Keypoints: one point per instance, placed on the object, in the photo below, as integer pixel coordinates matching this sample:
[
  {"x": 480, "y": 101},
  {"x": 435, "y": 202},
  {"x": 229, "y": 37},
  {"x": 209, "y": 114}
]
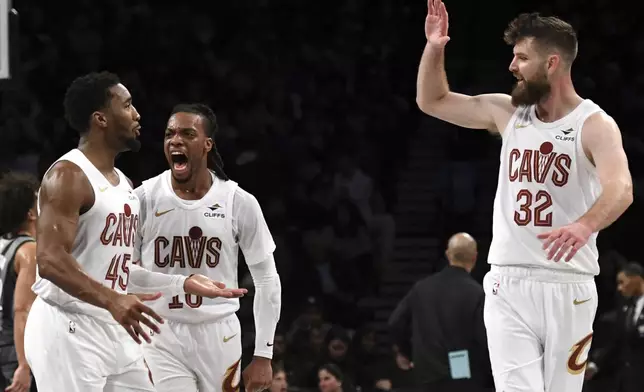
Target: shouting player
[
  {"x": 563, "y": 177},
  {"x": 18, "y": 215},
  {"x": 194, "y": 220},
  {"x": 86, "y": 229}
]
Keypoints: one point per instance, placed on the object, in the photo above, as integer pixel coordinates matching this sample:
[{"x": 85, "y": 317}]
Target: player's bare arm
[
  {"x": 602, "y": 144},
  {"x": 65, "y": 192},
  {"x": 487, "y": 111},
  {"x": 25, "y": 266}
]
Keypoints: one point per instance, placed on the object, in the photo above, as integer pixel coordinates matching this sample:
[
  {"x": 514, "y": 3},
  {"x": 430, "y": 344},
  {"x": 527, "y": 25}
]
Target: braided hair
[{"x": 215, "y": 163}]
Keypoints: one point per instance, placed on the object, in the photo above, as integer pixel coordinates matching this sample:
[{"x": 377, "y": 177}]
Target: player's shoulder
[
  {"x": 66, "y": 175},
  {"x": 152, "y": 184},
  {"x": 244, "y": 201}
]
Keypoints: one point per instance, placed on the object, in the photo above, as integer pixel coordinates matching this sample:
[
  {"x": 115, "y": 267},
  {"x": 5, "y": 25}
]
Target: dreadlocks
[{"x": 215, "y": 163}]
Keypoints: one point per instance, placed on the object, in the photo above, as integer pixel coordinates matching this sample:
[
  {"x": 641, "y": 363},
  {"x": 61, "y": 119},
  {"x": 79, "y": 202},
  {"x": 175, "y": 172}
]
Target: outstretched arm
[
  {"x": 602, "y": 143},
  {"x": 488, "y": 111},
  {"x": 143, "y": 281}
]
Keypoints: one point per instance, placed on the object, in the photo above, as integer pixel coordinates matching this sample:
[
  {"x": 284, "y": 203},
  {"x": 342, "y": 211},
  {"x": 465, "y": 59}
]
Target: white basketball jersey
[
  {"x": 184, "y": 237},
  {"x": 104, "y": 241},
  {"x": 545, "y": 181}
]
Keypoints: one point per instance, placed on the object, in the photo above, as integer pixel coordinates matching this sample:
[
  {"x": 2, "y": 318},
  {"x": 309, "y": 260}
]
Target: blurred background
[{"x": 317, "y": 114}]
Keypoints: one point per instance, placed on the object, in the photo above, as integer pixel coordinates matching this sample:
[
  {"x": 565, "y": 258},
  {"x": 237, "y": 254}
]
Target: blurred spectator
[
  {"x": 623, "y": 359},
  {"x": 280, "y": 382},
  {"x": 331, "y": 379}
]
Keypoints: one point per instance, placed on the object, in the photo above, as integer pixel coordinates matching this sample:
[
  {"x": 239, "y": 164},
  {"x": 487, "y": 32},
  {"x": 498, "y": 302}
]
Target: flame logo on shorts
[{"x": 230, "y": 377}]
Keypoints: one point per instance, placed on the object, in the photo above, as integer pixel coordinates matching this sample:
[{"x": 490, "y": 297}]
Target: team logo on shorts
[
  {"x": 495, "y": 288},
  {"x": 575, "y": 366},
  {"x": 72, "y": 327}
]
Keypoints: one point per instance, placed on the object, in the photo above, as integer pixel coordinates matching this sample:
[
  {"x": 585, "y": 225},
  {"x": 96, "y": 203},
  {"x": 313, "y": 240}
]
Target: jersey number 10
[
  {"x": 193, "y": 301},
  {"x": 532, "y": 208}
]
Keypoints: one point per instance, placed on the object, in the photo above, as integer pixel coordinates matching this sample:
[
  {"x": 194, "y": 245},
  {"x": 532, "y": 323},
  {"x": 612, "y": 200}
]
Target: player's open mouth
[{"x": 179, "y": 162}]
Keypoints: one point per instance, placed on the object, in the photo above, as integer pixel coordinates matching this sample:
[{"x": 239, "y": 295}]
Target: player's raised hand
[
  {"x": 565, "y": 240},
  {"x": 129, "y": 311},
  {"x": 258, "y": 375},
  {"x": 436, "y": 24},
  {"x": 205, "y": 287}
]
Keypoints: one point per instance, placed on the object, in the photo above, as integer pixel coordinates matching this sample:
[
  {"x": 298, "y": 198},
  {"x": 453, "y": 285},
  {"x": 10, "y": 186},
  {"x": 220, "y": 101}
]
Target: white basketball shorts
[
  {"x": 196, "y": 357},
  {"x": 540, "y": 327},
  {"x": 74, "y": 352}
]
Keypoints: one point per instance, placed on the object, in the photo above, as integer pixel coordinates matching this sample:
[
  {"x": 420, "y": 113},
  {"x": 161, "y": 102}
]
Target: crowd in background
[{"x": 315, "y": 104}]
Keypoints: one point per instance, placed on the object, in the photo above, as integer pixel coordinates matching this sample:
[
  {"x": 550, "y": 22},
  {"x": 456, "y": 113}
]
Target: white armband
[
  {"x": 143, "y": 281},
  {"x": 266, "y": 305}
]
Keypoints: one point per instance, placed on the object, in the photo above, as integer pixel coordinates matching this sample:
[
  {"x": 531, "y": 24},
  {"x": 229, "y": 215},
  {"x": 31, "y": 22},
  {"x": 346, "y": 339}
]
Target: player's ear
[
  {"x": 209, "y": 144},
  {"x": 100, "y": 119},
  {"x": 553, "y": 63}
]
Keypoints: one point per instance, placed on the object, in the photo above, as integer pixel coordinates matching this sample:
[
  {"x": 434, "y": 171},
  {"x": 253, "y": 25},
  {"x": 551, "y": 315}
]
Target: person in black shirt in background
[
  {"x": 18, "y": 215},
  {"x": 443, "y": 314},
  {"x": 621, "y": 362}
]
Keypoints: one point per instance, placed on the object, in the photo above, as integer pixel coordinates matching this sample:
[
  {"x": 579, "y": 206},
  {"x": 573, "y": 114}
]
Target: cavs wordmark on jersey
[
  {"x": 104, "y": 242},
  {"x": 545, "y": 181},
  {"x": 199, "y": 237}
]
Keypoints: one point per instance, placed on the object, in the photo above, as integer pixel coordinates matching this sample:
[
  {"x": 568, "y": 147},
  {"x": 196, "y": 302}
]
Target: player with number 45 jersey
[{"x": 194, "y": 220}]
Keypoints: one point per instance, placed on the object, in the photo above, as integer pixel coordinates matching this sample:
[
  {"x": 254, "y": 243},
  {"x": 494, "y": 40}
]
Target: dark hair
[
  {"x": 334, "y": 370},
  {"x": 214, "y": 159},
  {"x": 87, "y": 94},
  {"x": 633, "y": 269},
  {"x": 277, "y": 366},
  {"x": 548, "y": 31},
  {"x": 17, "y": 197}
]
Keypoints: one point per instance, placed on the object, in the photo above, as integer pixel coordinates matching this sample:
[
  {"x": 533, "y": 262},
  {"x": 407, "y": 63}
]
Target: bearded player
[
  {"x": 194, "y": 220},
  {"x": 563, "y": 177}
]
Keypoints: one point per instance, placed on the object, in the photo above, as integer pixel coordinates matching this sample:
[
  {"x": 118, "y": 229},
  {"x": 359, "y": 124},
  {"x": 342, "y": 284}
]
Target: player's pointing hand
[
  {"x": 568, "y": 239},
  {"x": 203, "y": 286},
  {"x": 129, "y": 311}
]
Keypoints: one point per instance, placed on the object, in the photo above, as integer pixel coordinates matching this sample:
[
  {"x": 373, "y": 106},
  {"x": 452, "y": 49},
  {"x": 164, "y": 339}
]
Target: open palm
[{"x": 436, "y": 23}]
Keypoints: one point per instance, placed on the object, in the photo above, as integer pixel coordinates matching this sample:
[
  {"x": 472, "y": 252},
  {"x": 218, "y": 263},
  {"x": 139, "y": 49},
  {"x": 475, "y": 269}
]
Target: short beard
[{"x": 531, "y": 92}]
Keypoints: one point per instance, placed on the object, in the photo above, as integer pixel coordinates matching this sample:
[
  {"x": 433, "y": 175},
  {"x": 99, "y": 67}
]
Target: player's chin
[{"x": 181, "y": 171}]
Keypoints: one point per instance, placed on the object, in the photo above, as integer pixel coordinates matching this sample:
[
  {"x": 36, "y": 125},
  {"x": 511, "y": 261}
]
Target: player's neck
[
  {"x": 29, "y": 231},
  {"x": 562, "y": 100},
  {"x": 97, "y": 152},
  {"x": 196, "y": 188}
]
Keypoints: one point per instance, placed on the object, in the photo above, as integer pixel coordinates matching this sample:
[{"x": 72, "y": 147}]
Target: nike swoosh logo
[
  {"x": 100, "y": 189},
  {"x": 159, "y": 213},
  {"x": 519, "y": 126},
  {"x": 577, "y": 302},
  {"x": 269, "y": 344},
  {"x": 227, "y": 339}
]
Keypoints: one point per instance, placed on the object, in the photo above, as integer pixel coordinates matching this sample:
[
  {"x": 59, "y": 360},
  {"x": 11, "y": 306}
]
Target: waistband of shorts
[
  {"x": 541, "y": 274},
  {"x": 90, "y": 311}
]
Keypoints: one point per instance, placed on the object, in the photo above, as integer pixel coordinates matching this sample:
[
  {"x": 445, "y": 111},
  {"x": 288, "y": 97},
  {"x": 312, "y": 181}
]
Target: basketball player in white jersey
[
  {"x": 86, "y": 229},
  {"x": 194, "y": 220},
  {"x": 563, "y": 177}
]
